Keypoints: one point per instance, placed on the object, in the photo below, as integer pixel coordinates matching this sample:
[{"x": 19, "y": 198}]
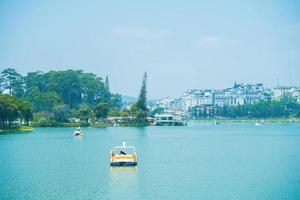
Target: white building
[
  {"x": 280, "y": 91},
  {"x": 239, "y": 94}
]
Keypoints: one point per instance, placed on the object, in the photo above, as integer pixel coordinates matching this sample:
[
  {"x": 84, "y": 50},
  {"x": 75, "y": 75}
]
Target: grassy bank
[
  {"x": 56, "y": 124},
  {"x": 95, "y": 124},
  {"x": 18, "y": 128}
]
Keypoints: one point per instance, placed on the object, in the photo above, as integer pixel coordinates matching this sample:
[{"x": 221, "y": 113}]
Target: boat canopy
[{"x": 124, "y": 148}]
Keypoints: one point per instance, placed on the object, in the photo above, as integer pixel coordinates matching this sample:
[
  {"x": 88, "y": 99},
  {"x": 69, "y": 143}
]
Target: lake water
[{"x": 201, "y": 161}]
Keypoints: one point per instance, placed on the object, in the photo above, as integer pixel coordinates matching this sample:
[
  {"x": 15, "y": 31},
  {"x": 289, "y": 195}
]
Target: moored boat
[
  {"x": 123, "y": 156},
  {"x": 169, "y": 119},
  {"x": 257, "y": 124},
  {"x": 78, "y": 132},
  {"x": 216, "y": 122}
]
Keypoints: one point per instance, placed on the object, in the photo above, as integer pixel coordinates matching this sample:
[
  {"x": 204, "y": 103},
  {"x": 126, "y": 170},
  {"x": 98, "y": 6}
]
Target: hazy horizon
[{"x": 181, "y": 46}]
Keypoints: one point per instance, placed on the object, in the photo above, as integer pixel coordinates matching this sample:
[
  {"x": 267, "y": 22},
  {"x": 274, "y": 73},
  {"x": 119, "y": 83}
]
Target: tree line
[
  {"x": 286, "y": 106},
  {"x": 58, "y": 96},
  {"x": 12, "y": 109}
]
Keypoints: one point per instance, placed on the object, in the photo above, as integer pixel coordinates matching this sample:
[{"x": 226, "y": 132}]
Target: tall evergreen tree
[
  {"x": 142, "y": 100},
  {"x": 101, "y": 110},
  {"x": 12, "y": 81},
  {"x": 106, "y": 84},
  {"x": 12, "y": 109},
  {"x": 139, "y": 109},
  {"x": 105, "y": 93},
  {"x": 1, "y": 84}
]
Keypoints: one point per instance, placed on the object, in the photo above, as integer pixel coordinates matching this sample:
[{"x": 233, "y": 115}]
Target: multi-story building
[
  {"x": 240, "y": 94},
  {"x": 278, "y": 92}
]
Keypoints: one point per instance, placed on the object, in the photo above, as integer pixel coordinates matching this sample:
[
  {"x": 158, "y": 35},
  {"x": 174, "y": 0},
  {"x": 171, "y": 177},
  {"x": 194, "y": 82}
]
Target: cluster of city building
[{"x": 239, "y": 94}]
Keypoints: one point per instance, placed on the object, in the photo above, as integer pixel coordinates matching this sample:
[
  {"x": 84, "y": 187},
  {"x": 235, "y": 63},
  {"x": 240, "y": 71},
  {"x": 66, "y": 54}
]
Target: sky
[{"x": 180, "y": 44}]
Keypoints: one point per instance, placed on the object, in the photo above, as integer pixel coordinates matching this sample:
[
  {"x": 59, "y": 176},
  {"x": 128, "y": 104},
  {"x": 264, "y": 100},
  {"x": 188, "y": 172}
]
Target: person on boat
[{"x": 122, "y": 152}]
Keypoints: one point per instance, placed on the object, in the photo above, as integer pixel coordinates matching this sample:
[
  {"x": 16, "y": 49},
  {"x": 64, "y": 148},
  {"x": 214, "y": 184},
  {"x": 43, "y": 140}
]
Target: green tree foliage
[
  {"x": 59, "y": 95},
  {"x": 74, "y": 87},
  {"x": 114, "y": 113},
  {"x": 287, "y": 106},
  {"x": 139, "y": 109},
  {"x": 25, "y": 111},
  {"x": 12, "y": 109},
  {"x": 47, "y": 100},
  {"x": 66, "y": 84},
  {"x": 142, "y": 100},
  {"x": 125, "y": 113},
  {"x": 105, "y": 93},
  {"x": 106, "y": 84},
  {"x": 92, "y": 88},
  {"x": 2, "y": 84},
  {"x": 13, "y": 82},
  {"x": 84, "y": 113},
  {"x": 101, "y": 110},
  {"x": 157, "y": 111},
  {"x": 115, "y": 101},
  {"x": 61, "y": 113}
]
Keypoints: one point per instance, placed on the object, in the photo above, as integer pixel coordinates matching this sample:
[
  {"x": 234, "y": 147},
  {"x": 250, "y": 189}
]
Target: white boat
[
  {"x": 257, "y": 124},
  {"x": 78, "y": 132},
  {"x": 123, "y": 156},
  {"x": 216, "y": 122}
]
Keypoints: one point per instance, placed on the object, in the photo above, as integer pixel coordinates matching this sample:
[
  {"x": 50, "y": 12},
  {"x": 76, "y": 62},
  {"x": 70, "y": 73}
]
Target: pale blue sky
[{"x": 181, "y": 44}]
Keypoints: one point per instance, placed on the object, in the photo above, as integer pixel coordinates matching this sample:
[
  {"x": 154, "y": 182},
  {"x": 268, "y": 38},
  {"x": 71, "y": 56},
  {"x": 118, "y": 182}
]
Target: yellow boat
[{"x": 123, "y": 156}]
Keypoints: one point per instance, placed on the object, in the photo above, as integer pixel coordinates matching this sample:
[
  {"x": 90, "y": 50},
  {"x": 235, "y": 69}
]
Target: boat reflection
[
  {"x": 123, "y": 173},
  {"x": 121, "y": 180}
]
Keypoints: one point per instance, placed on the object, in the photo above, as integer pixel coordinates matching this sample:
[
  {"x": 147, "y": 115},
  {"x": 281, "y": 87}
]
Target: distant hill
[
  {"x": 151, "y": 102},
  {"x": 128, "y": 99}
]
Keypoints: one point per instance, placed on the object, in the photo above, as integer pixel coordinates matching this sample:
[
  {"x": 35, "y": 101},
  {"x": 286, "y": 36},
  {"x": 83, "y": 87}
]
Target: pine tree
[
  {"x": 12, "y": 81},
  {"x": 139, "y": 109},
  {"x": 106, "y": 96},
  {"x": 142, "y": 100},
  {"x": 106, "y": 84}
]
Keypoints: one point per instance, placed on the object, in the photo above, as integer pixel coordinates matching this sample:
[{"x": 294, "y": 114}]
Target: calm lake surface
[{"x": 200, "y": 161}]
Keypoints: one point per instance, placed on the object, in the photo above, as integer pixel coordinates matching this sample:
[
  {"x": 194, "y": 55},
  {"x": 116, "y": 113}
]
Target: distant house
[{"x": 203, "y": 100}]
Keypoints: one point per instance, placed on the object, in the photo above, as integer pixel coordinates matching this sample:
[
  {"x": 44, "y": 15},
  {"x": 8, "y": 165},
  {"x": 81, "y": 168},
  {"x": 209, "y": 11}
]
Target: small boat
[
  {"x": 257, "y": 124},
  {"x": 123, "y": 156},
  {"x": 216, "y": 122},
  {"x": 78, "y": 132}
]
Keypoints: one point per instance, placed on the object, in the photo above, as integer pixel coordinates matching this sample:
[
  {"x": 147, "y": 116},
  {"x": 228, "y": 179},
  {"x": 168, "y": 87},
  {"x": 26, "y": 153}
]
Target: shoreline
[
  {"x": 20, "y": 128},
  {"x": 253, "y": 120}
]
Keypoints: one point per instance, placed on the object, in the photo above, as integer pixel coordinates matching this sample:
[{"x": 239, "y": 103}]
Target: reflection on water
[
  {"x": 141, "y": 130},
  {"x": 122, "y": 180},
  {"x": 127, "y": 174}
]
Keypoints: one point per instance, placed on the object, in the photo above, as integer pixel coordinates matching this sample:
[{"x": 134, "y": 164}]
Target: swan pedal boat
[
  {"x": 78, "y": 132},
  {"x": 123, "y": 156}
]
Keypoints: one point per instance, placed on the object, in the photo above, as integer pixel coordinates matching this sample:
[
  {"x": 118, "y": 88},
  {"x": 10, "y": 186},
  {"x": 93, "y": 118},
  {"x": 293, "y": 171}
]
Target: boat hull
[
  {"x": 123, "y": 163},
  {"x": 79, "y": 134}
]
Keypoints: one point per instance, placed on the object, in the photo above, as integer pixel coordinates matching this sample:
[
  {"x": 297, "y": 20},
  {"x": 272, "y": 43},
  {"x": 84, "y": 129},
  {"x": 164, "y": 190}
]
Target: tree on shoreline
[
  {"x": 287, "y": 106},
  {"x": 101, "y": 110},
  {"x": 13, "y": 109},
  {"x": 13, "y": 82},
  {"x": 58, "y": 95},
  {"x": 139, "y": 109},
  {"x": 84, "y": 113}
]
